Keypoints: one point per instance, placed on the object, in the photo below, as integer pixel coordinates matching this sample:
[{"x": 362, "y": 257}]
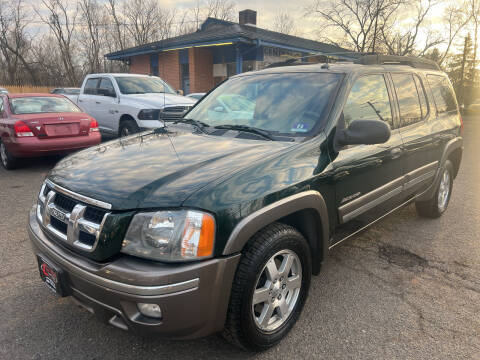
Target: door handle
[
  {"x": 97, "y": 102},
  {"x": 80, "y": 100}
]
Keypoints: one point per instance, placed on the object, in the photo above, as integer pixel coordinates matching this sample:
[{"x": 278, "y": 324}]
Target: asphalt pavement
[{"x": 407, "y": 288}]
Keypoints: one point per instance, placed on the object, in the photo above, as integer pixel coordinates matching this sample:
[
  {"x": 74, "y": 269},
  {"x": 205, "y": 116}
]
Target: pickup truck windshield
[
  {"x": 142, "y": 85},
  {"x": 38, "y": 105},
  {"x": 290, "y": 104}
]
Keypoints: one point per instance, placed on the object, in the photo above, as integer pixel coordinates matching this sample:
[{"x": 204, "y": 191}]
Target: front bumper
[{"x": 193, "y": 297}]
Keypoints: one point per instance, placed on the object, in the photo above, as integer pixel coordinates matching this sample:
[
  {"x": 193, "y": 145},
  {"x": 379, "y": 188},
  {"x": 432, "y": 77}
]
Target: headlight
[
  {"x": 171, "y": 235},
  {"x": 149, "y": 114}
]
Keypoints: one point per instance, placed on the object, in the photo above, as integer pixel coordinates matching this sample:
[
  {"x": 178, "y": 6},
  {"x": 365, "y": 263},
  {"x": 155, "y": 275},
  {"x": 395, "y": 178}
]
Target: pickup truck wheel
[
  {"x": 128, "y": 127},
  {"x": 8, "y": 161},
  {"x": 270, "y": 288},
  {"x": 437, "y": 205}
]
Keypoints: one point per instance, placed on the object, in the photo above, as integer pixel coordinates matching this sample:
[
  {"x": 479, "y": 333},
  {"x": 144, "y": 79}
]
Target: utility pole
[{"x": 462, "y": 73}]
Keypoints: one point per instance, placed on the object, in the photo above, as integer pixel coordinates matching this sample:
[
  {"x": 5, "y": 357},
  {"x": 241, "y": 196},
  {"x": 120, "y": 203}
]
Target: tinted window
[
  {"x": 106, "y": 87},
  {"x": 408, "y": 100},
  {"x": 291, "y": 103},
  {"x": 368, "y": 100},
  {"x": 142, "y": 85},
  {"x": 91, "y": 86},
  {"x": 442, "y": 93},
  {"x": 421, "y": 94},
  {"x": 38, "y": 104}
]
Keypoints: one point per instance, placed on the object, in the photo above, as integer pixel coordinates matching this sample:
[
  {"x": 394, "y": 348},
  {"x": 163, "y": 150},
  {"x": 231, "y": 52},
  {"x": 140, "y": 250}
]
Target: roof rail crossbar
[{"x": 378, "y": 59}]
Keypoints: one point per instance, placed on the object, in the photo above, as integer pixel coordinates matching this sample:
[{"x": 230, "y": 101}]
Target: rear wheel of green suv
[
  {"x": 437, "y": 205},
  {"x": 270, "y": 288}
]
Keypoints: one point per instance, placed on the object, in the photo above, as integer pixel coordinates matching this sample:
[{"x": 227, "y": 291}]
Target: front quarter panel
[{"x": 296, "y": 170}]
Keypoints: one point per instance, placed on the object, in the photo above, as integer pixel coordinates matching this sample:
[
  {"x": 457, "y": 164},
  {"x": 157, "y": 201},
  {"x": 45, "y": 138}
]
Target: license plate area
[
  {"x": 52, "y": 276},
  {"x": 62, "y": 129}
]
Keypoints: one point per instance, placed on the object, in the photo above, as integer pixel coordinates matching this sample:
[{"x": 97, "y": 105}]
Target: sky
[{"x": 306, "y": 24}]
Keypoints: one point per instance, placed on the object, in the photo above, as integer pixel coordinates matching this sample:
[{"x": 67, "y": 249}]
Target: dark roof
[{"x": 214, "y": 30}]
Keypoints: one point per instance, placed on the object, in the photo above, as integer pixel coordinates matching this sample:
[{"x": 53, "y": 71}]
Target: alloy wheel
[
  {"x": 277, "y": 290},
  {"x": 444, "y": 191}
]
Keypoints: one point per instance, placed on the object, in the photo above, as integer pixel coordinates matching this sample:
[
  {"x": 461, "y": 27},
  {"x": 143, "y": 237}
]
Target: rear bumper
[
  {"x": 33, "y": 147},
  {"x": 193, "y": 297}
]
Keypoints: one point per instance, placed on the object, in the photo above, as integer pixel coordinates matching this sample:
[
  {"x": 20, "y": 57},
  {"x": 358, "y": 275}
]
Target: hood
[
  {"x": 159, "y": 100},
  {"x": 151, "y": 170}
]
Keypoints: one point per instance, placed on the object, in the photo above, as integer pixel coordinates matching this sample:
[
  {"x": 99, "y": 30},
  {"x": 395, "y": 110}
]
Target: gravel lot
[{"x": 407, "y": 288}]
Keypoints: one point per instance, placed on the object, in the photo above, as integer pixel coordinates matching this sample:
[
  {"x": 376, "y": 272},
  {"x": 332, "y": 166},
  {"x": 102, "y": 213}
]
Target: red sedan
[{"x": 34, "y": 125}]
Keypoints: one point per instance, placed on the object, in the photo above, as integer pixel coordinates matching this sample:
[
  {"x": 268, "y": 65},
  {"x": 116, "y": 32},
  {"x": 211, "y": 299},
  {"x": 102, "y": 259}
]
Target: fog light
[{"x": 151, "y": 310}]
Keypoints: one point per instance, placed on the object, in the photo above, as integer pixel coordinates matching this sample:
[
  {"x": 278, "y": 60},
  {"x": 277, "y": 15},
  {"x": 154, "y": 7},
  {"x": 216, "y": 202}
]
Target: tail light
[
  {"x": 461, "y": 124},
  {"x": 94, "y": 126},
  {"x": 22, "y": 129}
]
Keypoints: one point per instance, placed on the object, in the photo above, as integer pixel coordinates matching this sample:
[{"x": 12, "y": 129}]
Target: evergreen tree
[{"x": 460, "y": 70}]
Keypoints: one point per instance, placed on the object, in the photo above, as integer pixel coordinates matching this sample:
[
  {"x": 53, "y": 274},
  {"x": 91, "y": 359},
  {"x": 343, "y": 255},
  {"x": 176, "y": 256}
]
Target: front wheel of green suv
[{"x": 270, "y": 288}]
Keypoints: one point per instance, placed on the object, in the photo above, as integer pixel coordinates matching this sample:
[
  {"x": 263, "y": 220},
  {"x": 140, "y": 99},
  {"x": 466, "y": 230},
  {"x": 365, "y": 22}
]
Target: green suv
[{"x": 217, "y": 221}]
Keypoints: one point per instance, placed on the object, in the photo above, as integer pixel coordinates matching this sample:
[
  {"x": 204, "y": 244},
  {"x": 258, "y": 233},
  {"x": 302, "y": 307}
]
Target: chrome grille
[
  {"x": 173, "y": 113},
  {"x": 176, "y": 108},
  {"x": 69, "y": 217}
]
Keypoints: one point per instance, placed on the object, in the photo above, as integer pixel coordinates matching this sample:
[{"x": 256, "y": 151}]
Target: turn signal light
[
  {"x": 94, "y": 126},
  {"x": 22, "y": 129}
]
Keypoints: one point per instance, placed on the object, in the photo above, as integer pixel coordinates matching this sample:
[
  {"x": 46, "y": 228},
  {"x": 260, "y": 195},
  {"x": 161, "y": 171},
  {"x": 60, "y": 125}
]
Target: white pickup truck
[{"x": 123, "y": 104}]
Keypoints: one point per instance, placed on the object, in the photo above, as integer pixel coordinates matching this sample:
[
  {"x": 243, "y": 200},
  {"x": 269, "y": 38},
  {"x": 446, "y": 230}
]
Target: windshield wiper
[
  {"x": 197, "y": 123},
  {"x": 245, "y": 128}
]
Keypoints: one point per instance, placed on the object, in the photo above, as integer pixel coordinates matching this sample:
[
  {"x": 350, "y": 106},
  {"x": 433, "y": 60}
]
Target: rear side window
[
  {"x": 106, "y": 87},
  {"x": 442, "y": 93},
  {"x": 368, "y": 100},
  {"x": 422, "y": 96},
  {"x": 408, "y": 99},
  {"x": 91, "y": 87}
]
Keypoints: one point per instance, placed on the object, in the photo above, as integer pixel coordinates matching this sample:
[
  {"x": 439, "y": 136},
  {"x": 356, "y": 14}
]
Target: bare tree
[
  {"x": 14, "y": 42},
  {"x": 118, "y": 33},
  {"x": 398, "y": 41},
  {"x": 455, "y": 19},
  {"x": 359, "y": 20},
  {"x": 220, "y": 9},
  {"x": 92, "y": 14},
  {"x": 147, "y": 21},
  {"x": 284, "y": 23},
  {"x": 62, "y": 21}
]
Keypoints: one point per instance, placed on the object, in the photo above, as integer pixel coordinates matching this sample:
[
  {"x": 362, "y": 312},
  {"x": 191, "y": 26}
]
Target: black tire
[
  {"x": 241, "y": 328},
  {"x": 127, "y": 127},
  {"x": 8, "y": 161},
  {"x": 434, "y": 207}
]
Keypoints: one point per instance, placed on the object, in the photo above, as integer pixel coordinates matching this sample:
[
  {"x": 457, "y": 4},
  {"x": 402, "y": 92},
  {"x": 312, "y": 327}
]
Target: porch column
[{"x": 239, "y": 60}]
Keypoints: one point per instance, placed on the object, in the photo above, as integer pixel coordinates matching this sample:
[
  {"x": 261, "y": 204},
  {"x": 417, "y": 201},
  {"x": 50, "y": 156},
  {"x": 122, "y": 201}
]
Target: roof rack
[
  {"x": 378, "y": 59},
  {"x": 363, "y": 59}
]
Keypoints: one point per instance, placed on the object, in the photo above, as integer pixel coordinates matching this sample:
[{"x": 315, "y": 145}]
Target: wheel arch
[
  {"x": 452, "y": 151},
  {"x": 306, "y": 211},
  {"x": 124, "y": 118}
]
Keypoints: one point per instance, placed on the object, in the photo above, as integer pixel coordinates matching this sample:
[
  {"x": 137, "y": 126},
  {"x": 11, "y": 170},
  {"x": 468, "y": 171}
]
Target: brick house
[{"x": 198, "y": 61}]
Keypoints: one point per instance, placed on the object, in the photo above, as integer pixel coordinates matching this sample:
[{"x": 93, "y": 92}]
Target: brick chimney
[{"x": 247, "y": 17}]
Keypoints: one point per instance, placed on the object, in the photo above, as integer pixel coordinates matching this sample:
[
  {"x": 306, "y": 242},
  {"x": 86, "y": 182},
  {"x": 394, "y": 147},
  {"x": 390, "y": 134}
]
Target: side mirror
[
  {"x": 179, "y": 92},
  {"x": 367, "y": 132}
]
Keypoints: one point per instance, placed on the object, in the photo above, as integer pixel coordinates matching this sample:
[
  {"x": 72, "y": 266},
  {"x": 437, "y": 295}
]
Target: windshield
[
  {"x": 142, "y": 85},
  {"x": 290, "y": 104},
  {"x": 36, "y": 105}
]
